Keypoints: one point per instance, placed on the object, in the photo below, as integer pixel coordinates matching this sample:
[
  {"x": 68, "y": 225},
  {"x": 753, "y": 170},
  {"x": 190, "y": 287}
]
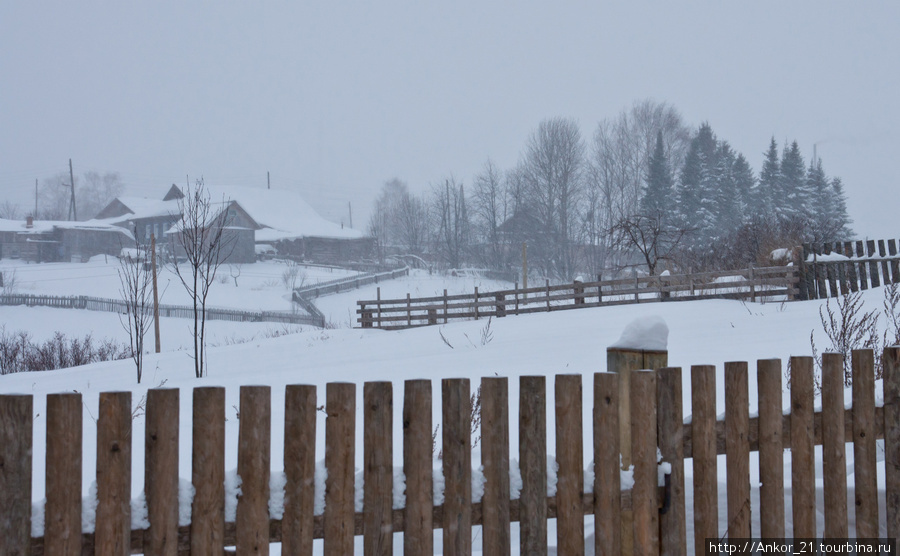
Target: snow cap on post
[{"x": 648, "y": 333}]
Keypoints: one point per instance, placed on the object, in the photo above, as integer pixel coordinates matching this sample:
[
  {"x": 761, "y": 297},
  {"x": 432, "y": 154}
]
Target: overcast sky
[{"x": 335, "y": 98}]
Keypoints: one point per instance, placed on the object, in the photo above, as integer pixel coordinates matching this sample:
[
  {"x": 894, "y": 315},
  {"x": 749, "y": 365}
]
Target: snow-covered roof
[
  {"x": 45, "y": 226},
  {"x": 283, "y": 214},
  {"x": 142, "y": 207}
]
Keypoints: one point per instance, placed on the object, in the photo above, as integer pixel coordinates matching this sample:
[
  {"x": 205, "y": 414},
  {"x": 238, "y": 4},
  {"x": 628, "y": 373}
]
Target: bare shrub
[
  {"x": 19, "y": 353},
  {"x": 847, "y": 327}
]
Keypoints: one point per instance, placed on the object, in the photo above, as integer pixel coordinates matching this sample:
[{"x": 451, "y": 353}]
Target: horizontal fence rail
[
  {"x": 176, "y": 311},
  {"x": 350, "y": 283},
  {"x": 647, "y": 517},
  {"x": 837, "y": 268},
  {"x": 753, "y": 284}
]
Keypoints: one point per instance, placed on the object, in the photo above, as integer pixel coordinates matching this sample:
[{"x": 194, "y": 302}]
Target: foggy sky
[{"x": 337, "y": 98}]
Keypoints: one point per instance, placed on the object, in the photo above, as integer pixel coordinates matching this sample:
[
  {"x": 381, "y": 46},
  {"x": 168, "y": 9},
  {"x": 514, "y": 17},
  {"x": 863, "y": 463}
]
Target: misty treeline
[
  {"x": 93, "y": 191},
  {"x": 645, "y": 191}
]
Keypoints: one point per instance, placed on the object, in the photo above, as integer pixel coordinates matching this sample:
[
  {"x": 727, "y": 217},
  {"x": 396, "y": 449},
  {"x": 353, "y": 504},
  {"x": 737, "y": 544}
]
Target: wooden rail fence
[
  {"x": 349, "y": 283},
  {"x": 833, "y": 269},
  {"x": 750, "y": 284},
  {"x": 657, "y": 514},
  {"x": 177, "y": 311}
]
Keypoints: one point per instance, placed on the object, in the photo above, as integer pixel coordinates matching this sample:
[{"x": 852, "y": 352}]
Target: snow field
[{"x": 703, "y": 332}]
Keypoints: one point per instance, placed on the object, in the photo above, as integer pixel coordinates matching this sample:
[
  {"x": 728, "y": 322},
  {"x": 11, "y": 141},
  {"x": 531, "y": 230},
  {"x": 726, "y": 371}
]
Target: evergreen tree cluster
[{"x": 719, "y": 201}]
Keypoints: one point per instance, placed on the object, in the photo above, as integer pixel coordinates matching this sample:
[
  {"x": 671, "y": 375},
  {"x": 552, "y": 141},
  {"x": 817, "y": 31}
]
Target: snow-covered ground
[{"x": 700, "y": 332}]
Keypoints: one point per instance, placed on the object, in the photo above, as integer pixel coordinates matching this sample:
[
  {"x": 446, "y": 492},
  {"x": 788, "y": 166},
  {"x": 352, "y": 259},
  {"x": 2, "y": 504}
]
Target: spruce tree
[
  {"x": 767, "y": 194},
  {"x": 821, "y": 204},
  {"x": 657, "y": 199},
  {"x": 793, "y": 186},
  {"x": 744, "y": 186},
  {"x": 842, "y": 219}
]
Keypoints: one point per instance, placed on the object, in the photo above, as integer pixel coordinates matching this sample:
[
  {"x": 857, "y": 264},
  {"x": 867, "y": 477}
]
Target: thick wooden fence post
[
  {"x": 607, "y": 493},
  {"x": 62, "y": 513},
  {"x": 771, "y": 449},
  {"x": 495, "y": 460},
  {"x": 803, "y": 468},
  {"x": 161, "y": 471},
  {"x": 299, "y": 469},
  {"x": 340, "y": 449},
  {"x": 569, "y": 458},
  {"x": 891, "y": 360},
  {"x": 644, "y": 495},
  {"x": 456, "y": 408},
  {"x": 378, "y": 470},
  {"x": 834, "y": 462},
  {"x": 703, "y": 448},
  {"x": 864, "y": 465},
  {"x": 737, "y": 449},
  {"x": 885, "y": 269},
  {"x": 113, "y": 530},
  {"x": 533, "y": 465},
  {"x": 208, "y": 471},
  {"x": 254, "y": 467},
  {"x": 670, "y": 432},
  {"x": 418, "y": 538},
  {"x": 476, "y": 303},
  {"x": 16, "y": 430}
]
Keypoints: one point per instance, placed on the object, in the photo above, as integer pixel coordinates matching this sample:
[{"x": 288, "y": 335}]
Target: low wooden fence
[
  {"x": 347, "y": 284},
  {"x": 656, "y": 515},
  {"x": 752, "y": 284},
  {"x": 177, "y": 311},
  {"x": 833, "y": 269}
]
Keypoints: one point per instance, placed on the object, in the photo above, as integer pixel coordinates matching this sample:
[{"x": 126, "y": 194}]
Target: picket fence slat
[
  {"x": 207, "y": 529},
  {"x": 802, "y": 438},
  {"x": 771, "y": 449},
  {"x": 495, "y": 461},
  {"x": 834, "y": 463},
  {"x": 340, "y": 442},
  {"x": 533, "y": 464},
  {"x": 113, "y": 530},
  {"x": 643, "y": 445},
  {"x": 378, "y": 468},
  {"x": 456, "y": 446},
  {"x": 299, "y": 469},
  {"x": 607, "y": 494},
  {"x": 569, "y": 458},
  {"x": 892, "y": 438},
  {"x": 864, "y": 464},
  {"x": 63, "y": 475},
  {"x": 703, "y": 430},
  {"x": 418, "y": 539},
  {"x": 737, "y": 452},
  {"x": 254, "y": 455},
  {"x": 16, "y": 431},
  {"x": 161, "y": 471},
  {"x": 673, "y": 534}
]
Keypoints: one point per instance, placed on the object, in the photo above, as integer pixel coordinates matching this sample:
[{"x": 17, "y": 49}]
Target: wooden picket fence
[
  {"x": 89, "y": 303},
  {"x": 657, "y": 515},
  {"x": 751, "y": 284},
  {"x": 836, "y": 268}
]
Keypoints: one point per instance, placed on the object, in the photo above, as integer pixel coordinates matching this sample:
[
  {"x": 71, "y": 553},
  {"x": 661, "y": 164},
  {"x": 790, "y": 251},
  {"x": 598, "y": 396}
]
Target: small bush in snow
[{"x": 19, "y": 353}]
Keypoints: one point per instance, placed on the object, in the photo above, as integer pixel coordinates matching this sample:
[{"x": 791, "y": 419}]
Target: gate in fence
[{"x": 654, "y": 516}]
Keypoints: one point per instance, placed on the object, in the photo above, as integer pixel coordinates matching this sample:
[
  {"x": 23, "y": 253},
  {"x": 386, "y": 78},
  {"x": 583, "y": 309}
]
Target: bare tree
[
  {"x": 553, "y": 170},
  {"x": 201, "y": 246},
  {"x": 55, "y": 197},
  {"x": 96, "y": 191},
  {"x": 489, "y": 209},
  {"x": 10, "y": 210},
  {"x": 136, "y": 290},
  {"x": 650, "y": 236},
  {"x": 452, "y": 220},
  {"x": 620, "y": 156},
  {"x": 383, "y": 222}
]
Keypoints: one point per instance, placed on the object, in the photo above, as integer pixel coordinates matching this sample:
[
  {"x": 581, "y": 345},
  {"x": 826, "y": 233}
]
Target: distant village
[{"x": 261, "y": 223}]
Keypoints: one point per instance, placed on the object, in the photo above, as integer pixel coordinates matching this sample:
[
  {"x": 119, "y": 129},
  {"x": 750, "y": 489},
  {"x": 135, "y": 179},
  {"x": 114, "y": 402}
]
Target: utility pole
[
  {"x": 155, "y": 291},
  {"x": 524, "y": 266},
  {"x": 350, "y": 209},
  {"x": 268, "y": 180},
  {"x": 35, "y": 198},
  {"x": 73, "y": 212}
]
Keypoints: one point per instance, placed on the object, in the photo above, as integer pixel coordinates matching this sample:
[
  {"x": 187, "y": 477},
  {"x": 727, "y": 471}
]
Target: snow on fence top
[{"x": 648, "y": 333}]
